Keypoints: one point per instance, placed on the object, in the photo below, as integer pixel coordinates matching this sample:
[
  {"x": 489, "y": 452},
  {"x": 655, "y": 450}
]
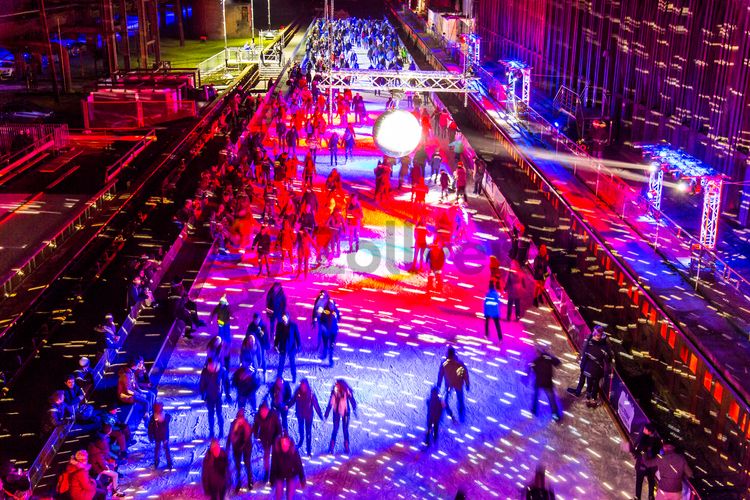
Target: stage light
[
  {"x": 653, "y": 167},
  {"x": 397, "y": 133},
  {"x": 683, "y": 186}
]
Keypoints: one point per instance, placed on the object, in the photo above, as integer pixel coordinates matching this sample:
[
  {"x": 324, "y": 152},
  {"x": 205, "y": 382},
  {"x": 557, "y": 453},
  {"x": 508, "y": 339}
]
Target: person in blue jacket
[{"x": 492, "y": 311}]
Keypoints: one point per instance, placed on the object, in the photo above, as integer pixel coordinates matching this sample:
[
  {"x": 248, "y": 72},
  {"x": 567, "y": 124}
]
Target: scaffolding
[
  {"x": 414, "y": 81},
  {"x": 514, "y": 71}
]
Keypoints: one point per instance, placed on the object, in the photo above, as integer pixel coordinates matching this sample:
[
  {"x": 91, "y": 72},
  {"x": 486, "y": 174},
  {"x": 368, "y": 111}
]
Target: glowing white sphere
[{"x": 397, "y": 133}]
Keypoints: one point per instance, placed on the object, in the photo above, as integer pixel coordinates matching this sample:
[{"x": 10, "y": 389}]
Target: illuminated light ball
[{"x": 397, "y": 133}]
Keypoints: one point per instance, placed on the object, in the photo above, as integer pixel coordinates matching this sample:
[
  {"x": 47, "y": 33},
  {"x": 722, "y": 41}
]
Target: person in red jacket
[
  {"x": 76, "y": 481},
  {"x": 266, "y": 428},
  {"x": 240, "y": 442}
]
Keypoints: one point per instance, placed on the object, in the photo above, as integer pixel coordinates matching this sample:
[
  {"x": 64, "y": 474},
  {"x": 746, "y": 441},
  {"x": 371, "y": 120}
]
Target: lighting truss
[
  {"x": 655, "y": 187},
  {"x": 415, "y": 81},
  {"x": 711, "y": 210}
]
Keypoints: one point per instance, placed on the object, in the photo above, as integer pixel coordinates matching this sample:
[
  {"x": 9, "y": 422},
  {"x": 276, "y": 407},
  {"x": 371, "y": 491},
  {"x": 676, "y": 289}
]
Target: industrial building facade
[{"x": 675, "y": 70}]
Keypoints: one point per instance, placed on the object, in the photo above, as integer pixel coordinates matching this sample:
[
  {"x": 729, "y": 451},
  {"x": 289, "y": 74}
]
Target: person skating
[
  {"x": 673, "y": 470},
  {"x": 305, "y": 402},
  {"x": 538, "y": 489},
  {"x": 342, "y": 403},
  {"x": 215, "y": 472},
  {"x": 326, "y": 314},
  {"x": 456, "y": 376},
  {"x": 262, "y": 244},
  {"x": 492, "y": 312},
  {"x": 255, "y": 344},
  {"x": 212, "y": 378},
  {"x": 598, "y": 355},
  {"x": 515, "y": 286},
  {"x": 435, "y": 258},
  {"x": 275, "y": 307},
  {"x": 435, "y": 163},
  {"x": 420, "y": 245},
  {"x": 222, "y": 314},
  {"x": 435, "y": 410},
  {"x": 247, "y": 382},
  {"x": 540, "y": 271},
  {"x": 286, "y": 468},
  {"x": 480, "y": 166},
  {"x": 543, "y": 366},
  {"x": 646, "y": 452},
  {"x": 460, "y": 176},
  {"x": 266, "y": 428},
  {"x": 333, "y": 148},
  {"x": 582, "y": 364},
  {"x": 279, "y": 397},
  {"x": 287, "y": 343},
  {"x": 354, "y": 216},
  {"x": 240, "y": 444},
  {"x": 158, "y": 433}
]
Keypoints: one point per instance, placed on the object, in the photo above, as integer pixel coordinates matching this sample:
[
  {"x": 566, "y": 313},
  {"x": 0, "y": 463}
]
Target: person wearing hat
[
  {"x": 286, "y": 467},
  {"x": 76, "y": 482},
  {"x": 84, "y": 376},
  {"x": 287, "y": 343}
]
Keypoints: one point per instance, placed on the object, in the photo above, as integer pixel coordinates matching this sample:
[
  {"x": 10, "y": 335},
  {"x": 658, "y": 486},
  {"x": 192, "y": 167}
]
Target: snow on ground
[{"x": 391, "y": 340}]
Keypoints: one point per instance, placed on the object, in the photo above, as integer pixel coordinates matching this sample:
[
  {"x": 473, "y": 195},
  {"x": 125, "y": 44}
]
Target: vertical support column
[
  {"x": 180, "y": 26},
  {"x": 142, "y": 33},
  {"x": 108, "y": 25},
  {"x": 711, "y": 210},
  {"x": 526, "y": 85},
  {"x": 154, "y": 31},
  {"x": 124, "y": 35},
  {"x": 655, "y": 186}
]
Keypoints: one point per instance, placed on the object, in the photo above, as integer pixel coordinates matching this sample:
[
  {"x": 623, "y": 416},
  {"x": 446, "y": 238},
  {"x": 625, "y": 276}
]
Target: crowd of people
[{"x": 257, "y": 172}]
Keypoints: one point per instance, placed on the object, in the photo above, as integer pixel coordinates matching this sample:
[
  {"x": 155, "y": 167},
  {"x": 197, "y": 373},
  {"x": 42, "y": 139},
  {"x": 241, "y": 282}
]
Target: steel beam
[{"x": 416, "y": 81}]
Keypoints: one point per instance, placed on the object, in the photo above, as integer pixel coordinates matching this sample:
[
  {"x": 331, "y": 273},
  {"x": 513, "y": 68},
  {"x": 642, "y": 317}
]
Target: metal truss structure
[
  {"x": 414, "y": 81},
  {"x": 711, "y": 210},
  {"x": 655, "y": 187}
]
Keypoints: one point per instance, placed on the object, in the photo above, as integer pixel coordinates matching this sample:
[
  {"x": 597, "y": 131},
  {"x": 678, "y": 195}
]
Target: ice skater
[
  {"x": 240, "y": 444},
  {"x": 543, "y": 367},
  {"x": 435, "y": 410},
  {"x": 342, "y": 403},
  {"x": 456, "y": 376}
]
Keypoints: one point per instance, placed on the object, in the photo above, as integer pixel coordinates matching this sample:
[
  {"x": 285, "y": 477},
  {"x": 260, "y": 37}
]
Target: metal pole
[
  {"x": 252, "y": 20},
  {"x": 124, "y": 35},
  {"x": 269, "y": 14},
  {"x": 45, "y": 26},
  {"x": 180, "y": 27},
  {"x": 224, "y": 27}
]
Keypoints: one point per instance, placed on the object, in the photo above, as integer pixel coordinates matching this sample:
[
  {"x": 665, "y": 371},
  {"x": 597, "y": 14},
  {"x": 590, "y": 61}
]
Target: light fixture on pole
[
  {"x": 269, "y": 14},
  {"x": 252, "y": 19}
]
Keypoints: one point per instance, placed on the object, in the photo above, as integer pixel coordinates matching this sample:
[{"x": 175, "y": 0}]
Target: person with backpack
[
  {"x": 158, "y": 433},
  {"x": 342, "y": 403},
  {"x": 646, "y": 452},
  {"x": 435, "y": 409},
  {"x": 266, "y": 428},
  {"x": 538, "y": 490},
  {"x": 76, "y": 483},
  {"x": 215, "y": 472},
  {"x": 240, "y": 443},
  {"x": 543, "y": 366},
  {"x": 598, "y": 356},
  {"x": 306, "y": 405},
  {"x": 456, "y": 376},
  {"x": 326, "y": 314},
  {"x": 435, "y": 258}
]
